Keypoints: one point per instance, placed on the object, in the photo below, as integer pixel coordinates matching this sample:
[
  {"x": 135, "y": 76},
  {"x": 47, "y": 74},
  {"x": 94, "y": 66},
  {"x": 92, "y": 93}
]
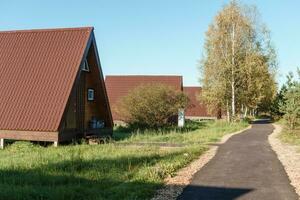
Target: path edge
[
  {"x": 288, "y": 156},
  {"x": 174, "y": 186}
]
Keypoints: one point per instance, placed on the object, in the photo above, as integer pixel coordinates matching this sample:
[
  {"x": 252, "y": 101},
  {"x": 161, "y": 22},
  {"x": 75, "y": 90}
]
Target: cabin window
[
  {"x": 85, "y": 66},
  {"x": 91, "y": 94}
]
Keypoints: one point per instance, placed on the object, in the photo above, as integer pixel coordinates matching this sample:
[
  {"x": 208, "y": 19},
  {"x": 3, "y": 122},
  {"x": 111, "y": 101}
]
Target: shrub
[
  {"x": 291, "y": 105},
  {"x": 151, "y": 106}
]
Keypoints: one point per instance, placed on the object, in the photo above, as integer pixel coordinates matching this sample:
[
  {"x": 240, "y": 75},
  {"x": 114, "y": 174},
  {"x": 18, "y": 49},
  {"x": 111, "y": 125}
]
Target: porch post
[
  {"x": 55, "y": 144},
  {"x": 1, "y": 143}
]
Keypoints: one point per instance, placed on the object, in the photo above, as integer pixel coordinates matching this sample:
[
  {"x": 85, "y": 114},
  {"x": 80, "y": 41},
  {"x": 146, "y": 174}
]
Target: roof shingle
[{"x": 196, "y": 108}]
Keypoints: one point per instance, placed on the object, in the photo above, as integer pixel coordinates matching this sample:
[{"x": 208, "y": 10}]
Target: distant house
[
  {"x": 119, "y": 86},
  {"x": 51, "y": 85},
  {"x": 196, "y": 108}
]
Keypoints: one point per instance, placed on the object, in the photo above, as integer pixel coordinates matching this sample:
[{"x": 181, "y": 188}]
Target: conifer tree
[{"x": 291, "y": 105}]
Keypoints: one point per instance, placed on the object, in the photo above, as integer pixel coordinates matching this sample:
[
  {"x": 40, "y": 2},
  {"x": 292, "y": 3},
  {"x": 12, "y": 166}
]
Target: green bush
[
  {"x": 291, "y": 105},
  {"x": 151, "y": 106}
]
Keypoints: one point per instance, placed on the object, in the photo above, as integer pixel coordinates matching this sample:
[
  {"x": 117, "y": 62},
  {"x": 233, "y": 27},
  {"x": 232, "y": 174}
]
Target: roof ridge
[
  {"x": 144, "y": 75},
  {"x": 90, "y": 28}
]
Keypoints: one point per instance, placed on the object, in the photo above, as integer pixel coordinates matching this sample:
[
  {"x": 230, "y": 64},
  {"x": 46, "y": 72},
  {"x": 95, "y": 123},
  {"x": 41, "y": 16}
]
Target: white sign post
[{"x": 181, "y": 118}]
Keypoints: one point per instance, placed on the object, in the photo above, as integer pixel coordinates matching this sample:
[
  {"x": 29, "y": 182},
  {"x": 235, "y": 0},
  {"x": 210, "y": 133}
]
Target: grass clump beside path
[
  {"x": 288, "y": 135},
  {"x": 107, "y": 171}
]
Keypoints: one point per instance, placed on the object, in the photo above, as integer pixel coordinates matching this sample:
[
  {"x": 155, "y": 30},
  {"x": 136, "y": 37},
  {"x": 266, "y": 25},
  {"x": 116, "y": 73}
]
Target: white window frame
[
  {"x": 85, "y": 67},
  {"x": 91, "y": 94}
]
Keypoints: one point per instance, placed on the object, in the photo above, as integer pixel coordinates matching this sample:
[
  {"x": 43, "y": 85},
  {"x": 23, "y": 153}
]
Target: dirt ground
[{"x": 289, "y": 156}]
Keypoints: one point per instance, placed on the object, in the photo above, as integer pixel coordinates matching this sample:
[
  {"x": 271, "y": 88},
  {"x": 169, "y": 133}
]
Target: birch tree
[{"x": 239, "y": 61}]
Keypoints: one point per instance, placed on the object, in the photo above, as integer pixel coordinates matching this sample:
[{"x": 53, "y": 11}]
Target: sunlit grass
[
  {"x": 209, "y": 131},
  {"x": 291, "y": 136}
]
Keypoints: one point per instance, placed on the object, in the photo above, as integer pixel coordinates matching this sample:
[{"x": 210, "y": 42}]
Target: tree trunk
[
  {"x": 232, "y": 71},
  {"x": 246, "y": 111},
  {"x": 227, "y": 109},
  {"x": 219, "y": 115},
  {"x": 233, "y": 99}
]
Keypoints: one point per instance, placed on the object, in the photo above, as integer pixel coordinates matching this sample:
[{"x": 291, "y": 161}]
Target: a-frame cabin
[{"x": 51, "y": 86}]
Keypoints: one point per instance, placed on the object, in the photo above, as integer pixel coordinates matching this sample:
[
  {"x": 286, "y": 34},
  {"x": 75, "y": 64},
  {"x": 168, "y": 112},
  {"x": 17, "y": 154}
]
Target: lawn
[
  {"x": 110, "y": 171},
  {"x": 196, "y": 133}
]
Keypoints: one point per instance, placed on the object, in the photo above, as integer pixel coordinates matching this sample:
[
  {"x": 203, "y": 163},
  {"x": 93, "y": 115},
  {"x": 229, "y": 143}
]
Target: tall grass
[{"x": 289, "y": 136}]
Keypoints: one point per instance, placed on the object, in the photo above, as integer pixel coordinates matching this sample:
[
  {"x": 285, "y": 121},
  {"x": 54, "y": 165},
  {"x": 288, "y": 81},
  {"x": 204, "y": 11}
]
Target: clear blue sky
[{"x": 153, "y": 36}]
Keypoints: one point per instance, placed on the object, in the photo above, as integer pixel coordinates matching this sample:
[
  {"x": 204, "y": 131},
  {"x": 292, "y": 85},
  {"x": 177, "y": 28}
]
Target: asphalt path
[{"x": 245, "y": 167}]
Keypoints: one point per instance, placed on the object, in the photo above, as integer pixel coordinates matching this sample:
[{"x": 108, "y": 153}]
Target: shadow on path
[
  {"x": 213, "y": 193},
  {"x": 261, "y": 121}
]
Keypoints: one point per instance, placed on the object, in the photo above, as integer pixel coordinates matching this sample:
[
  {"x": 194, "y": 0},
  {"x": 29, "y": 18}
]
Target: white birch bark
[
  {"x": 246, "y": 111},
  {"x": 232, "y": 71},
  {"x": 228, "y": 114}
]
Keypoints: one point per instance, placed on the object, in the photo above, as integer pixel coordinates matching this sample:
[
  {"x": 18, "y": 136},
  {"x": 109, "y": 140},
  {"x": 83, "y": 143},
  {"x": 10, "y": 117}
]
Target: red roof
[
  {"x": 119, "y": 86},
  {"x": 196, "y": 108},
  {"x": 37, "y": 72}
]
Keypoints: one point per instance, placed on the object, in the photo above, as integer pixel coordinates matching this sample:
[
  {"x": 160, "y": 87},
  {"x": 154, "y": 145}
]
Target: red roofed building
[
  {"x": 196, "y": 109},
  {"x": 51, "y": 85},
  {"x": 119, "y": 86}
]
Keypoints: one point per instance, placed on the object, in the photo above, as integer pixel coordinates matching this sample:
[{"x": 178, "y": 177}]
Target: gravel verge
[
  {"x": 289, "y": 156},
  {"x": 175, "y": 185}
]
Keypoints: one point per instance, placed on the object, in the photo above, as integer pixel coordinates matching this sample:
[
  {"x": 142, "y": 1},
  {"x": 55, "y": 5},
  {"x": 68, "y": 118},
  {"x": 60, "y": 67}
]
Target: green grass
[
  {"x": 109, "y": 171},
  {"x": 289, "y": 136},
  {"x": 206, "y": 132}
]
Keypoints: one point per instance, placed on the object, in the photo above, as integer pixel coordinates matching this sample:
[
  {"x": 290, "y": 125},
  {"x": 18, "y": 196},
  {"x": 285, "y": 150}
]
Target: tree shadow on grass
[
  {"x": 95, "y": 179},
  {"x": 33, "y": 184},
  {"x": 82, "y": 179}
]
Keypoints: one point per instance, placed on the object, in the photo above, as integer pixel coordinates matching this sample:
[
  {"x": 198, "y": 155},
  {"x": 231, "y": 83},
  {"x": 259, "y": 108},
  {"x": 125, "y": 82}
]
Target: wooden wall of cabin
[
  {"x": 73, "y": 120},
  {"x": 70, "y": 122},
  {"x": 99, "y": 107},
  {"x": 70, "y": 127}
]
